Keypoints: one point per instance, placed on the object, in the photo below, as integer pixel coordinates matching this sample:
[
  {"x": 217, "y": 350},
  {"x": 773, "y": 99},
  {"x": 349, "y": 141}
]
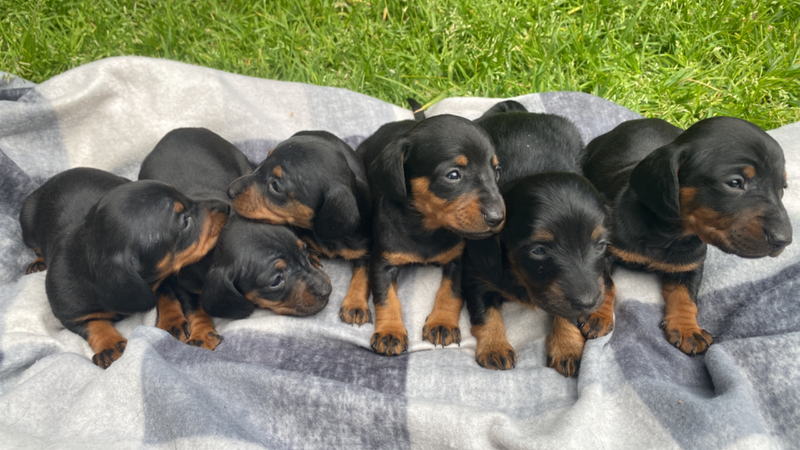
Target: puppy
[
  {"x": 551, "y": 252},
  {"x": 434, "y": 184},
  {"x": 104, "y": 264},
  {"x": 673, "y": 192},
  {"x": 202, "y": 163},
  {"x": 265, "y": 266},
  {"x": 316, "y": 183}
]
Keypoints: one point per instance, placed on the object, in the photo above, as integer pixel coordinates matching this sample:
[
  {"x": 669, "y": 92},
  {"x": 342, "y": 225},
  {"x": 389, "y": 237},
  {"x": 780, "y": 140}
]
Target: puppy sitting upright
[
  {"x": 551, "y": 252},
  {"x": 316, "y": 183},
  {"x": 105, "y": 259},
  {"x": 434, "y": 184},
  {"x": 259, "y": 261},
  {"x": 720, "y": 182}
]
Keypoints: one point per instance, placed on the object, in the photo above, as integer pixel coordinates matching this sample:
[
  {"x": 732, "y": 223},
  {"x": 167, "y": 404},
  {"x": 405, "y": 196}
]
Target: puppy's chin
[{"x": 746, "y": 249}]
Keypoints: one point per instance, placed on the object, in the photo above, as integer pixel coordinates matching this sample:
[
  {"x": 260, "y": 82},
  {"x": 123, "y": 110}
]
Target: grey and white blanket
[{"x": 283, "y": 382}]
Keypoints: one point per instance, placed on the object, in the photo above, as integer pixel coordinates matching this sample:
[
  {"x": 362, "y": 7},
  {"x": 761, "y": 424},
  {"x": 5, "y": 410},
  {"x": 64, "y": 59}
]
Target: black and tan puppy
[
  {"x": 316, "y": 183},
  {"x": 253, "y": 256},
  {"x": 434, "y": 184},
  {"x": 105, "y": 260},
  {"x": 672, "y": 192},
  {"x": 551, "y": 252},
  {"x": 264, "y": 266}
]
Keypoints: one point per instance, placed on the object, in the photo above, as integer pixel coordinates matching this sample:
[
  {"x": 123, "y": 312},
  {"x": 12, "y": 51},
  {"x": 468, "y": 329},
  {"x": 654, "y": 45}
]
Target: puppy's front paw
[
  {"x": 596, "y": 325},
  {"x": 355, "y": 315},
  {"x": 441, "y": 333},
  {"x": 688, "y": 338},
  {"x": 496, "y": 355},
  {"x": 390, "y": 343},
  {"x": 209, "y": 341},
  {"x": 105, "y": 357},
  {"x": 564, "y": 356}
]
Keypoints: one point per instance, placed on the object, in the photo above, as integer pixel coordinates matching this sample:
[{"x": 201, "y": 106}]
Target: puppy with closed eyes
[
  {"x": 106, "y": 259},
  {"x": 674, "y": 192},
  {"x": 315, "y": 183},
  {"x": 253, "y": 263},
  {"x": 434, "y": 184},
  {"x": 551, "y": 252}
]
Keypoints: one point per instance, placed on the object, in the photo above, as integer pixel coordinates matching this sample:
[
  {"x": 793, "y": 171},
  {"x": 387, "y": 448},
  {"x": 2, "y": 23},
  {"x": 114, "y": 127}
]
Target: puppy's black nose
[
  {"x": 779, "y": 240},
  {"x": 494, "y": 217},
  {"x": 236, "y": 187}
]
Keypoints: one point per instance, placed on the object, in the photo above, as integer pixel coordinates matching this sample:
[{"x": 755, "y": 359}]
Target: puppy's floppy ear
[
  {"x": 120, "y": 286},
  {"x": 338, "y": 216},
  {"x": 388, "y": 171},
  {"x": 220, "y": 298},
  {"x": 655, "y": 181}
]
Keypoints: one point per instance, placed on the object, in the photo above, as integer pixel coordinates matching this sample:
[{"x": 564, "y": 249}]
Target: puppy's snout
[
  {"x": 237, "y": 187},
  {"x": 583, "y": 303}
]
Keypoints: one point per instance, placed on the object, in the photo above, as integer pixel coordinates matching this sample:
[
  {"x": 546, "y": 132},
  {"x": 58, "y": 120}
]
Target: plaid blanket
[{"x": 284, "y": 382}]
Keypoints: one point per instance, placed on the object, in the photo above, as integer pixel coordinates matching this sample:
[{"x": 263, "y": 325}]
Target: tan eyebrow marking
[
  {"x": 277, "y": 171},
  {"x": 280, "y": 264},
  {"x": 598, "y": 232},
  {"x": 543, "y": 235},
  {"x": 495, "y": 161},
  {"x": 179, "y": 207},
  {"x": 462, "y": 160},
  {"x": 749, "y": 172}
]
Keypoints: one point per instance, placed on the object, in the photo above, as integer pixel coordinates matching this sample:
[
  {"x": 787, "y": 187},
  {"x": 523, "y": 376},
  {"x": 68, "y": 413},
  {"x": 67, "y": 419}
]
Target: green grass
[{"x": 675, "y": 59}]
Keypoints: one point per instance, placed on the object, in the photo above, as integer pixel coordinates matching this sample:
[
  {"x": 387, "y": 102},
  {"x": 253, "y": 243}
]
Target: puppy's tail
[
  {"x": 505, "y": 106},
  {"x": 419, "y": 113}
]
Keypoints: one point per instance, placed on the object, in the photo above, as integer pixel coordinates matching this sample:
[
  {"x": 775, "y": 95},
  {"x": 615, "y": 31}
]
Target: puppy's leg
[
  {"x": 680, "y": 312},
  {"x": 355, "y": 306},
  {"x": 441, "y": 325},
  {"x": 202, "y": 331},
  {"x": 38, "y": 264},
  {"x": 390, "y": 337},
  {"x": 169, "y": 313},
  {"x": 493, "y": 350},
  {"x": 565, "y": 347},
  {"x": 106, "y": 342},
  {"x": 601, "y": 322}
]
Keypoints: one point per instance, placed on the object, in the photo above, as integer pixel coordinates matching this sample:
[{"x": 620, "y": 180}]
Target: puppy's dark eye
[
  {"x": 185, "y": 221},
  {"x": 453, "y": 175},
  {"x": 277, "y": 282},
  {"x": 497, "y": 173},
  {"x": 538, "y": 251},
  {"x": 601, "y": 245},
  {"x": 274, "y": 187},
  {"x": 736, "y": 183}
]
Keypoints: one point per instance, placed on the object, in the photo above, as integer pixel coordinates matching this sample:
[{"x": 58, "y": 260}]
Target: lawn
[{"x": 681, "y": 60}]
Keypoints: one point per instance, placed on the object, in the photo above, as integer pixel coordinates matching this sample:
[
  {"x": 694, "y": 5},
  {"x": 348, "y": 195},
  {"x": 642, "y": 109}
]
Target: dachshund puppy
[
  {"x": 434, "y": 184},
  {"x": 104, "y": 264},
  {"x": 265, "y": 266},
  {"x": 673, "y": 192},
  {"x": 201, "y": 163},
  {"x": 316, "y": 183},
  {"x": 551, "y": 252}
]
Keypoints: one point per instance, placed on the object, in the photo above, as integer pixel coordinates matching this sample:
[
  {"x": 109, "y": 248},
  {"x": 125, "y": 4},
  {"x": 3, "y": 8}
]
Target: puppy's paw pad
[
  {"x": 105, "y": 357},
  {"x": 355, "y": 316},
  {"x": 496, "y": 356},
  {"x": 441, "y": 334},
  {"x": 691, "y": 340},
  {"x": 596, "y": 325},
  {"x": 390, "y": 343}
]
